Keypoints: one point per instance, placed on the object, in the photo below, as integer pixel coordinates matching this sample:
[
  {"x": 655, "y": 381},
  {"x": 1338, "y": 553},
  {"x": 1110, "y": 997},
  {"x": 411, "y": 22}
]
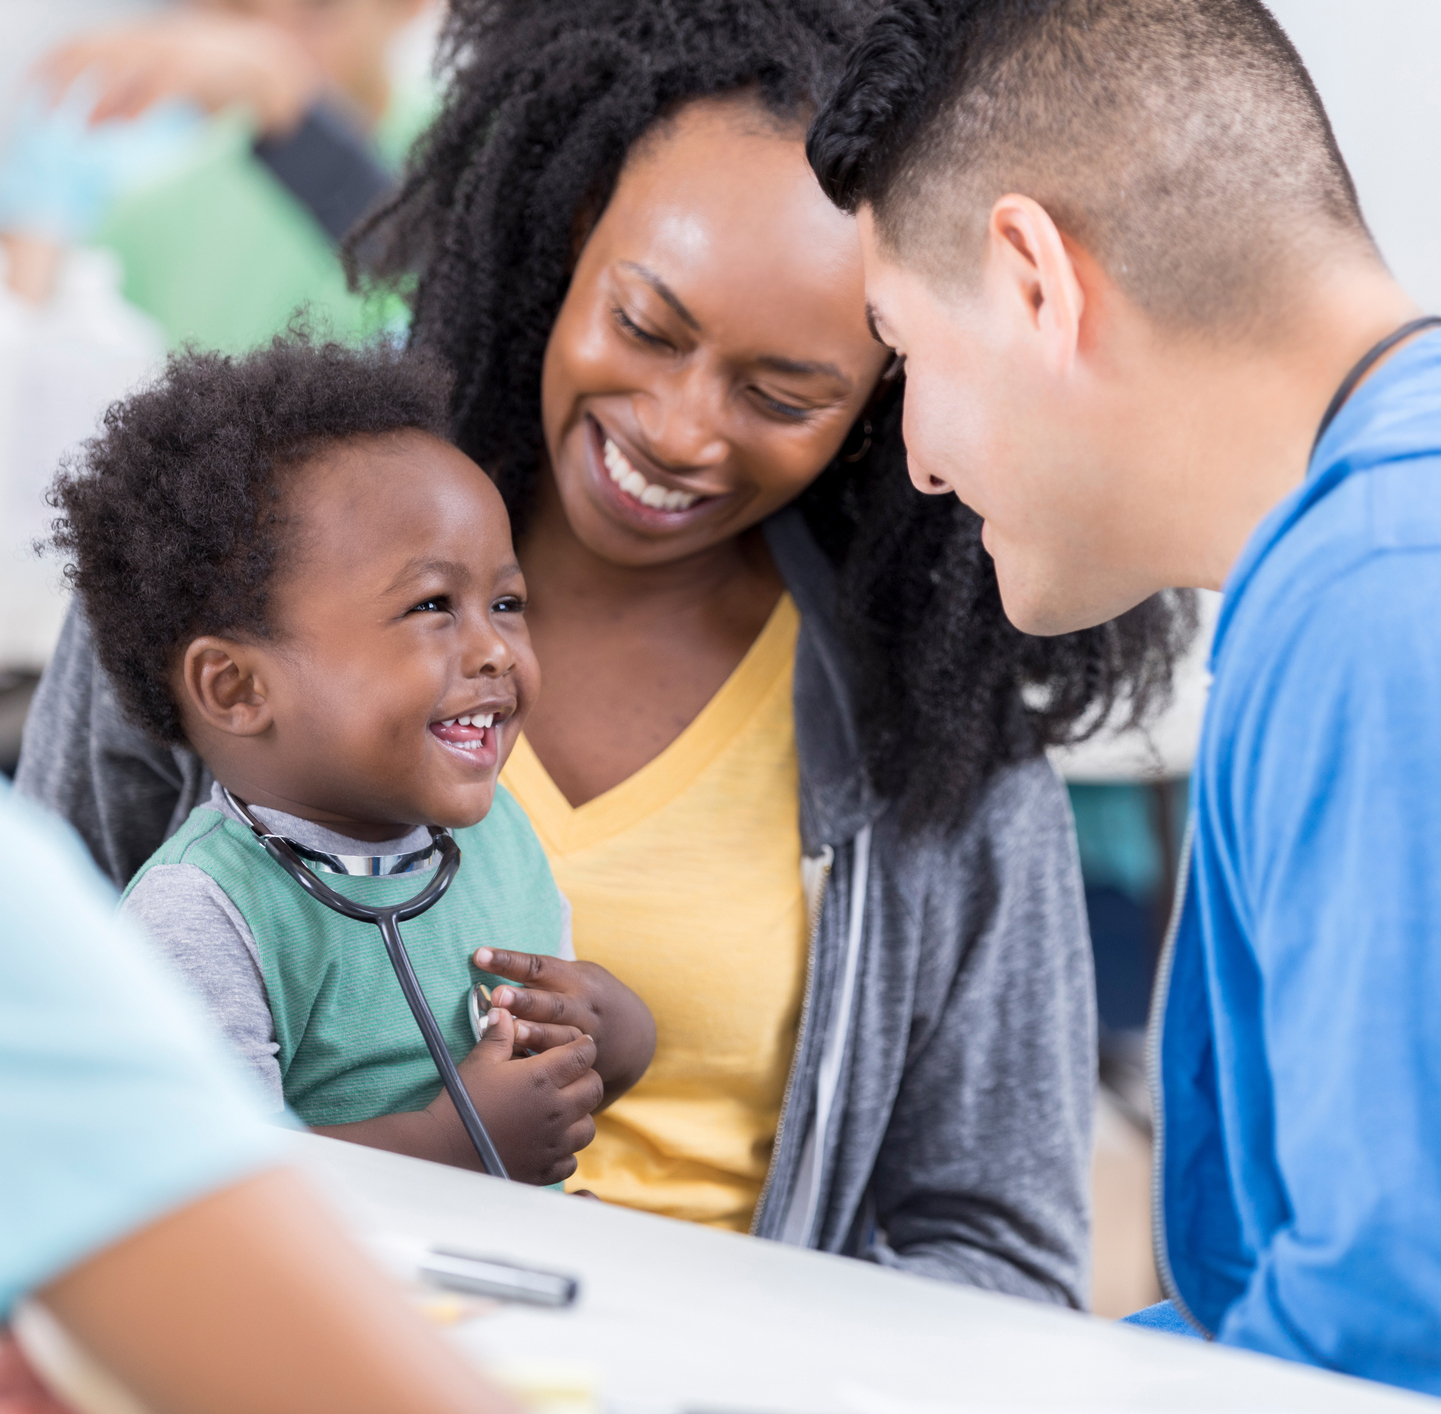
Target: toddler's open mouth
[{"x": 476, "y": 735}]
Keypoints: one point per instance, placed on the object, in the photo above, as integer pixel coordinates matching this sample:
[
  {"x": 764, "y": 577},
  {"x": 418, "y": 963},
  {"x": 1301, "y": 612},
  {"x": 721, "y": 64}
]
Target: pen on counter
[{"x": 502, "y": 1281}]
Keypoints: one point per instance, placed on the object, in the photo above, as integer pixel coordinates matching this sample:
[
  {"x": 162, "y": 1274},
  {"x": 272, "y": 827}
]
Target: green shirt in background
[{"x": 222, "y": 255}]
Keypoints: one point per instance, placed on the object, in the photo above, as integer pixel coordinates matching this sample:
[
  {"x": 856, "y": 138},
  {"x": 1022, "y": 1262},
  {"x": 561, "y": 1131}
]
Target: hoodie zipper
[
  {"x": 1158, "y": 1100},
  {"x": 815, "y": 927}
]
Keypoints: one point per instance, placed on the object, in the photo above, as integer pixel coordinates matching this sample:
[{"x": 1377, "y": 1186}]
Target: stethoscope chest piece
[{"x": 478, "y": 1007}]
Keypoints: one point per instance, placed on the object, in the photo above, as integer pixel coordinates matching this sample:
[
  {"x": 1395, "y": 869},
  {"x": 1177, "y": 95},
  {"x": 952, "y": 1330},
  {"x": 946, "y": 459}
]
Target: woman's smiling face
[{"x": 712, "y": 351}]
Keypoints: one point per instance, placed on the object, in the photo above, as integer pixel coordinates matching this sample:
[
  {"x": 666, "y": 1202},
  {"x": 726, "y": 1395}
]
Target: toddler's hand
[
  {"x": 561, "y": 994},
  {"x": 537, "y": 1108}
]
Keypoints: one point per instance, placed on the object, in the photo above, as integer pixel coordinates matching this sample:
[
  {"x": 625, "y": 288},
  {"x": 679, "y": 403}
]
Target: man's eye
[
  {"x": 509, "y": 604},
  {"x": 440, "y": 604}
]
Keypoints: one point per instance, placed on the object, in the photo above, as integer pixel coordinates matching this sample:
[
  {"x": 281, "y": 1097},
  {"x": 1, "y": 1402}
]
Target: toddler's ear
[{"x": 222, "y": 684}]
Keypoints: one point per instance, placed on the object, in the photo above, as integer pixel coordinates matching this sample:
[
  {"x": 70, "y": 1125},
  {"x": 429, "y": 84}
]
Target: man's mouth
[{"x": 630, "y": 481}]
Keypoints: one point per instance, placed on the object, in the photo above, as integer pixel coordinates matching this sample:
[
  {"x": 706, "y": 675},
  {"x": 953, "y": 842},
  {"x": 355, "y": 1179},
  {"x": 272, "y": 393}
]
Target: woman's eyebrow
[
  {"x": 802, "y": 367},
  {"x": 777, "y": 364},
  {"x": 664, "y": 291}
]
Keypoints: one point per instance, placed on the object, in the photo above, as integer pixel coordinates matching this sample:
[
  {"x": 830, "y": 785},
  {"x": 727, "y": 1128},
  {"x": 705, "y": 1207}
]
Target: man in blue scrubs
[
  {"x": 140, "y": 1190},
  {"x": 1150, "y": 341}
]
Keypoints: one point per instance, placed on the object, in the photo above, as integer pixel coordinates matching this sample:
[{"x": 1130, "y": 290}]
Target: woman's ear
[{"x": 223, "y": 685}]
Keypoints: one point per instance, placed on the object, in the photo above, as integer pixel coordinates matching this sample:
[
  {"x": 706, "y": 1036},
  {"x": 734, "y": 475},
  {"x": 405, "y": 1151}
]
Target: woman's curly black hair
[
  {"x": 173, "y": 519},
  {"x": 544, "y": 101}
]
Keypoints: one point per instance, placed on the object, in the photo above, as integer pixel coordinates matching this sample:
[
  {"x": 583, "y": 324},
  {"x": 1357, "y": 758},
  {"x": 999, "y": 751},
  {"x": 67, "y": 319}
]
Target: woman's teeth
[{"x": 634, "y": 484}]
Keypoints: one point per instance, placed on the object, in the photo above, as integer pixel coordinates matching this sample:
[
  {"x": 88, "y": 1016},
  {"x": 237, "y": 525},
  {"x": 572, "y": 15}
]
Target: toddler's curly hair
[{"x": 173, "y": 519}]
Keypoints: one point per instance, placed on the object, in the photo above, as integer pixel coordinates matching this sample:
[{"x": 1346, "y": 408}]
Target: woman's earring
[{"x": 864, "y": 447}]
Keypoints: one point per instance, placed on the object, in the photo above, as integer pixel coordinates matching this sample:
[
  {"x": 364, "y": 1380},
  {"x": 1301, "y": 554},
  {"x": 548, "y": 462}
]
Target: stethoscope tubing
[
  {"x": 387, "y": 920},
  {"x": 425, "y": 1019}
]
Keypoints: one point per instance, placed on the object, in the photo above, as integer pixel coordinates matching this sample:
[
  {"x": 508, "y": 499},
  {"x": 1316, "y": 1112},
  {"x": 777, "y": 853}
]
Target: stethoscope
[{"x": 291, "y": 857}]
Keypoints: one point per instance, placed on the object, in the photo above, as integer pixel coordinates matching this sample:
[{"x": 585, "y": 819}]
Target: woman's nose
[{"x": 683, "y": 420}]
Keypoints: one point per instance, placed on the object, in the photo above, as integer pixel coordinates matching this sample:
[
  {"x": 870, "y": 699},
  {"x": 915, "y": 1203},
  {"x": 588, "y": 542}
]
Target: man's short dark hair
[
  {"x": 173, "y": 518},
  {"x": 1181, "y": 142}
]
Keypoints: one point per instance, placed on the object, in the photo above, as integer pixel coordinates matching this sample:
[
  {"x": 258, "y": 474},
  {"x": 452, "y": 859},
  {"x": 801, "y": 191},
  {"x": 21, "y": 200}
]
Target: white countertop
[{"x": 676, "y": 1317}]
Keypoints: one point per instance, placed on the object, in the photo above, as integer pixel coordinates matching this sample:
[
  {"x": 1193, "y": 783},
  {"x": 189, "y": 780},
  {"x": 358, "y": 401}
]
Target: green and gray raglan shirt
[{"x": 306, "y": 996}]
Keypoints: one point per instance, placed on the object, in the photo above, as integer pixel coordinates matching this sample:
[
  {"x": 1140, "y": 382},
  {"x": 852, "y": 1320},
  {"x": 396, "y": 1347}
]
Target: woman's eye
[
  {"x": 634, "y": 330},
  {"x": 790, "y": 411},
  {"x": 440, "y": 604},
  {"x": 509, "y": 604}
]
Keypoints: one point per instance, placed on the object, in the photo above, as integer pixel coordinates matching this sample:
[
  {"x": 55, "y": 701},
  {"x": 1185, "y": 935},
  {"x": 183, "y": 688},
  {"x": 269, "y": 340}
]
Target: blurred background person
[{"x": 220, "y": 148}]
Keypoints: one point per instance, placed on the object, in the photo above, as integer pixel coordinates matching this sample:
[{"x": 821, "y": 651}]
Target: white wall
[{"x": 1377, "y": 64}]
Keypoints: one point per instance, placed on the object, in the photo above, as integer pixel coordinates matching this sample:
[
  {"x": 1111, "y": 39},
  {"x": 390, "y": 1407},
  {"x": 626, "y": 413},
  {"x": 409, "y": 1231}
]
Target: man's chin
[{"x": 1044, "y": 607}]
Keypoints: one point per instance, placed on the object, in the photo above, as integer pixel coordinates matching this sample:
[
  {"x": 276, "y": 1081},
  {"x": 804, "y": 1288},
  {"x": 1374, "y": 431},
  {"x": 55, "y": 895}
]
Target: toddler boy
[{"x": 287, "y": 568}]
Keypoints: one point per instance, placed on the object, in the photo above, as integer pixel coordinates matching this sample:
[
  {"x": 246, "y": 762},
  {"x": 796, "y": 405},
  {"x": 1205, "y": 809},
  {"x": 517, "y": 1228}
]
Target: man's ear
[
  {"x": 223, "y": 684},
  {"x": 1035, "y": 276}
]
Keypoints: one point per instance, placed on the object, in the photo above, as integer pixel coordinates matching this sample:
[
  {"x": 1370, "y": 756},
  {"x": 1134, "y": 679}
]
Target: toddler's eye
[
  {"x": 509, "y": 604},
  {"x": 440, "y": 604}
]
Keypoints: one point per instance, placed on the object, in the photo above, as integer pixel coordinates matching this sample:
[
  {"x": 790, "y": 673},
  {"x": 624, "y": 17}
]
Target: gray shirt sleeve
[
  {"x": 82, "y": 758},
  {"x": 202, "y": 935}
]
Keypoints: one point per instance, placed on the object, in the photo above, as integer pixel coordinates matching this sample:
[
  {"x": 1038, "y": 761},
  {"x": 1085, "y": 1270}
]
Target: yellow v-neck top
[{"x": 685, "y": 882}]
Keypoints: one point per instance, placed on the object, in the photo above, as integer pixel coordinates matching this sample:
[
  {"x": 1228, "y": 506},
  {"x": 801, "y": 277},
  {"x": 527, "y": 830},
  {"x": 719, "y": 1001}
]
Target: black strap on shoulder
[{"x": 1365, "y": 364}]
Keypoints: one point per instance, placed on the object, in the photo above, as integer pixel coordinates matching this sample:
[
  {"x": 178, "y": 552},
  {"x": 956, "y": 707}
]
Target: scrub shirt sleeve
[{"x": 117, "y": 1103}]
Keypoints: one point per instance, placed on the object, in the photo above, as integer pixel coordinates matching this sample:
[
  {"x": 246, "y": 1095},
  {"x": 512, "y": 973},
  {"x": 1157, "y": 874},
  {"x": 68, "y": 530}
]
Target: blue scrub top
[
  {"x": 117, "y": 1103},
  {"x": 1300, "y": 1049}
]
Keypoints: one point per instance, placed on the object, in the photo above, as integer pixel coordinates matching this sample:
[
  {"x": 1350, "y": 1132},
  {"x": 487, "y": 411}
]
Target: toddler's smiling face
[{"x": 399, "y": 668}]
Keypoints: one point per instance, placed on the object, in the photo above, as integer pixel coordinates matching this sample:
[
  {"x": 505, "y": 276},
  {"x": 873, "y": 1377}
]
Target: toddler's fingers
[
  {"x": 533, "y": 1004},
  {"x": 536, "y": 1036},
  {"x": 531, "y": 968},
  {"x": 582, "y": 1096},
  {"x": 560, "y": 1170},
  {"x": 498, "y": 1043},
  {"x": 580, "y": 1134},
  {"x": 568, "y": 1063}
]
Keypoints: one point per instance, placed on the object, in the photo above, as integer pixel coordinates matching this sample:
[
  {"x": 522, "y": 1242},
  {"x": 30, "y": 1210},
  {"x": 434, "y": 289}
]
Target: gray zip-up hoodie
[{"x": 938, "y": 1112}]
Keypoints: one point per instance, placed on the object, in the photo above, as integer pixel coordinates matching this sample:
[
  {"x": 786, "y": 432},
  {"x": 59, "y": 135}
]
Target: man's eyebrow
[
  {"x": 664, "y": 291},
  {"x": 422, "y": 565},
  {"x": 871, "y": 317},
  {"x": 802, "y": 367}
]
